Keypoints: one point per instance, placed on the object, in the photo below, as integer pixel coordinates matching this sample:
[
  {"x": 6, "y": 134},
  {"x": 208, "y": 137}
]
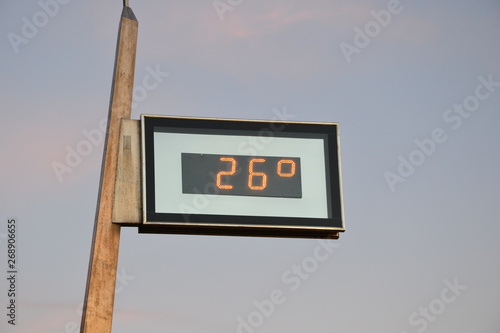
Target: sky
[{"x": 414, "y": 86}]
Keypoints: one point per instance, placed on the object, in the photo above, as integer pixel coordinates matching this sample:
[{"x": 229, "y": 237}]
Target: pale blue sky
[{"x": 404, "y": 246}]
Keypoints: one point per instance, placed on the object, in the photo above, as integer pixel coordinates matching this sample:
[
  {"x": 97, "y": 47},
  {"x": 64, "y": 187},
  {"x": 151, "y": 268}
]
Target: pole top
[{"x": 127, "y": 11}]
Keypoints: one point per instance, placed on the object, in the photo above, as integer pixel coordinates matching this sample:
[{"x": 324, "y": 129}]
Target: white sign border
[{"x": 168, "y": 186}]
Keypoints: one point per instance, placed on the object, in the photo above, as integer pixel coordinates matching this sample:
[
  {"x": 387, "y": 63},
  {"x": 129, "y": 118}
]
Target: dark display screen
[{"x": 264, "y": 176}]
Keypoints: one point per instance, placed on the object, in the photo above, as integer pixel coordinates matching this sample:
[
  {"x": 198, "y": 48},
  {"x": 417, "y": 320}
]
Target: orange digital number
[
  {"x": 256, "y": 174},
  {"x": 226, "y": 173},
  {"x": 286, "y": 174}
]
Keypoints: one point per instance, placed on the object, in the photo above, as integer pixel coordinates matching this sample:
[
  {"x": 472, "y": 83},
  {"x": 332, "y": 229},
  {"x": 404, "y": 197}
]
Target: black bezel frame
[{"x": 236, "y": 224}]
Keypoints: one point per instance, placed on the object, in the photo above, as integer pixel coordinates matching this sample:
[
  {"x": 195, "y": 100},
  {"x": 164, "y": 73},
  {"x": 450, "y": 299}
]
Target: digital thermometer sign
[{"x": 236, "y": 177}]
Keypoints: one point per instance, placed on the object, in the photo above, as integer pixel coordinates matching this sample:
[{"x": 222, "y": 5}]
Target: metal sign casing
[{"x": 241, "y": 177}]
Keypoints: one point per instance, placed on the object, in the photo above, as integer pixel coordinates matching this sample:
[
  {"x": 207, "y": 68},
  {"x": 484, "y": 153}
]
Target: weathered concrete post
[{"x": 97, "y": 313}]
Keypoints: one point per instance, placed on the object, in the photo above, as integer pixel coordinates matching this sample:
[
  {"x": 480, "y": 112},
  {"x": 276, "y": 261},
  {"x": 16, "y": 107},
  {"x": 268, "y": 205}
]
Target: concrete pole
[{"x": 97, "y": 313}]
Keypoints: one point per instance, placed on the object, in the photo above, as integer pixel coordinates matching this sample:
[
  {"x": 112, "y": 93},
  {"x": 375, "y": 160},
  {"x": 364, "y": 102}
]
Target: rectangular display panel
[{"x": 266, "y": 176}]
